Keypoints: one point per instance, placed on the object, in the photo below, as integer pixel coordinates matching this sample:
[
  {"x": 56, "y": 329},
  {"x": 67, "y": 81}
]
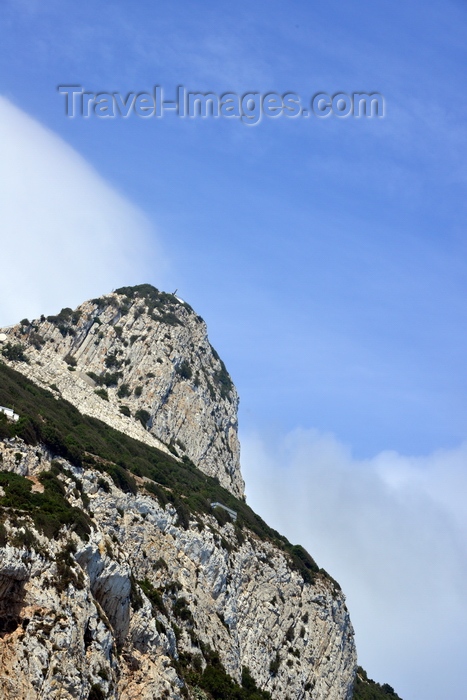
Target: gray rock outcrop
[{"x": 157, "y": 378}]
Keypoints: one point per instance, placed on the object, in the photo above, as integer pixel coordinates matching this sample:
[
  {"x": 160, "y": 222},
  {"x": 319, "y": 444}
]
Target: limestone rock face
[
  {"x": 132, "y": 587},
  {"x": 158, "y": 379},
  {"x": 143, "y": 597}
]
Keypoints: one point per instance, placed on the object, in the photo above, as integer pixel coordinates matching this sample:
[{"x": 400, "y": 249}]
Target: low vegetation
[
  {"x": 49, "y": 510},
  {"x": 160, "y": 306},
  {"x": 88, "y": 442},
  {"x": 367, "y": 689}
]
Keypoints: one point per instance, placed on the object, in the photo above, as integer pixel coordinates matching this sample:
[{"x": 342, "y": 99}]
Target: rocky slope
[
  {"x": 141, "y": 361},
  {"x": 118, "y": 579},
  {"x": 130, "y": 608}
]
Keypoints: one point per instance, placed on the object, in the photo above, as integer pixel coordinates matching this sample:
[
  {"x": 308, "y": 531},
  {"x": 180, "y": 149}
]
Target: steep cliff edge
[
  {"x": 118, "y": 579},
  {"x": 140, "y": 360}
]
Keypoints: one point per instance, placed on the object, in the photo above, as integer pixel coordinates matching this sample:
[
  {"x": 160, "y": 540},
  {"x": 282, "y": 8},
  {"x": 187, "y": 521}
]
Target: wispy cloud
[
  {"x": 392, "y": 530},
  {"x": 67, "y": 235}
]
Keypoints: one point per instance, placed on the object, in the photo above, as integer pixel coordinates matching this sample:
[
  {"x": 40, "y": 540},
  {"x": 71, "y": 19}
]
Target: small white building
[{"x": 10, "y": 414}]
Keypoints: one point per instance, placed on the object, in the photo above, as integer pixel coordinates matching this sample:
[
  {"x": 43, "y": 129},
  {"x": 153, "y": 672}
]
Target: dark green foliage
[
  {"x": 76, "y": 437},
  {"x": 223, "y": 381},
  {"x": 160, "y": 493},
  {"x": 36, "y": 340},
  {"x": 184, "y": 370},
  {"x": 64, "y": 320},
  {"x": 122, "y": 478},
  {"x": 135, "y": 596},
  {"x": 103, "y": 393},
  {"x": 181, "y": 610},
  {"x": 66, "y": 564},
  {"x": 24, "y": 539},
  {"x": 221, "y": 515},
  {"x": 221, "y": 686},
  {"x": 106, "y": 379},
  {"x": 143, "y": 416},
  {"x": 304, "y": 563},
  {"x": 367, "y": 689},
  {"x": 123, "y": 391},
  {"x": 112, "y": 361},
  {"x": 124, "y": 410},
  {"x": 3, "y": 535},
  {"x": 49, "y": 510},
  {"x": 274, "y": 665},
  {"x": 154, "y": 595},
  {"x": 103, "y": 484},
  {"x": 183, "y": 513},
  {"x": 70, "y": 360},
  {"x": 14, "y": 352},
  {"x": 160, "y": 564},
  {"x": 96, "y": 693},
  {"x": 159, "y": 305},
  {"x": 138, "y": 391}
]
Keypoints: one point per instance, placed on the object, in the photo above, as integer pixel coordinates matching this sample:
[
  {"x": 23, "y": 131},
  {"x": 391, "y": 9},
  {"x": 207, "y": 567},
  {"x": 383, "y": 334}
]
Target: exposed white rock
[
  {"x": 166, "y": 368},
  {"x": 123, "y": 612},
  {"x": 100, "y": 629}
]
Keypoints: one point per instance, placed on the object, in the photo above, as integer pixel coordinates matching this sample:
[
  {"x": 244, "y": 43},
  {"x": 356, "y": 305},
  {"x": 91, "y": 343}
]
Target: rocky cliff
[
  {"x": 140, "y": 360},
  {"x": 118, "y": 577}
]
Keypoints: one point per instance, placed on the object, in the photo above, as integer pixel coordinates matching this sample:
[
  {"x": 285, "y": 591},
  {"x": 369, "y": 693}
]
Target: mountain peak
[{"x": 140, "y": 360}]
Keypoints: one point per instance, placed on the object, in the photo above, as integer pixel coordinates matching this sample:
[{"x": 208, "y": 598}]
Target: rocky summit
[
  {"x": 140, "y": 360},
  {"x": 130, "y": 564}
]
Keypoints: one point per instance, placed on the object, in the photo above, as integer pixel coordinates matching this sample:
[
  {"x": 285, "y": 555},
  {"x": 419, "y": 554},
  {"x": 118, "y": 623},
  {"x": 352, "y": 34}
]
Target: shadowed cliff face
[{"x": 141, "y": 361}]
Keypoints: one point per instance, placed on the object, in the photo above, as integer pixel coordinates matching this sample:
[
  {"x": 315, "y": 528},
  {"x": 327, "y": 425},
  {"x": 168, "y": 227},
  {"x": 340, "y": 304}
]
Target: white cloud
[
  {"x": 392, "y": 530},
  {"x": 67, "y": 235}
]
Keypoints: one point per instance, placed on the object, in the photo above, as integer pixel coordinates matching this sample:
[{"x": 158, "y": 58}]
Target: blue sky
[{"x": 326, "y": 255}]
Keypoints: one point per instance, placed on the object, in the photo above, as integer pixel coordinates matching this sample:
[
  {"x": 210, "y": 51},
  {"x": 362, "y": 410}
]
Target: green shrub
[
  {"x": 112, "y": 361},
  {"x": 96, "y": 693},
  {"x": 65, "y": 562},
  {"x": 154, "y": 595},
  {"x": 103, "y": 484},
  {"x": 24, "y": 539},
  {"x": 143, "y": 416},
  {"x": 36, "y": 340},
  {"x": 181, "y": 610},
  {"x": 69, "y": 434},
  {"x": 3, "y": 535},
  {"x": 123, "y": 391},
  {"x": 14, "y": 352},
  {"x": 274, "y": 665},
  {"x": 70, "y": 360},
  {"x": 103, "y": 393},
  {"x": 107, "y": 379},
  {"x": 50, "y": 510},
  {"x": 367, "y": 689},
  {"x": 184, "y": 370}
]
